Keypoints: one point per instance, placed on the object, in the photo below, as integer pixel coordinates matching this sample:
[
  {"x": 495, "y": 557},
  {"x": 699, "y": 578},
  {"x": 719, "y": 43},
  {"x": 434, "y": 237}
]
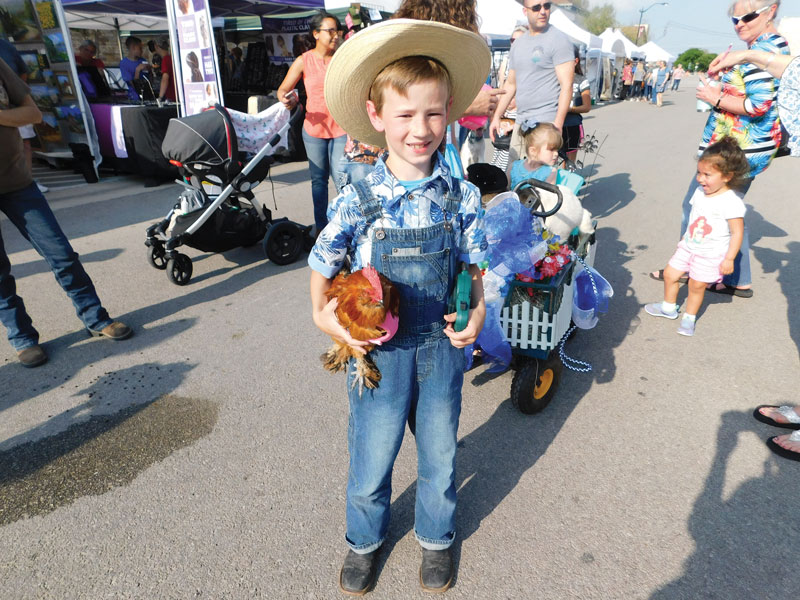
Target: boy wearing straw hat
[{"x": 397, "y": 85}]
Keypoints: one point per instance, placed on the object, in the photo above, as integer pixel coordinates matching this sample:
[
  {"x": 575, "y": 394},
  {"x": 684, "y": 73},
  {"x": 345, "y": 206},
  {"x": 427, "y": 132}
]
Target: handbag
[{"x": 503, "y": 142}]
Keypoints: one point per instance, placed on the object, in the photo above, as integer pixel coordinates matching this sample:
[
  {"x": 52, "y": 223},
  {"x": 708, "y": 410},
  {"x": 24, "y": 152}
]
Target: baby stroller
[{"x": 217, "y": 210}]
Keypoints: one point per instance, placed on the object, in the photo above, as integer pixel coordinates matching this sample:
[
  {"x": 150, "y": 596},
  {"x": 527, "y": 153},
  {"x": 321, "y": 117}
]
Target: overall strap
[
  {"x": 370, "y": 206},
  {"x": 452, "y": 201}
]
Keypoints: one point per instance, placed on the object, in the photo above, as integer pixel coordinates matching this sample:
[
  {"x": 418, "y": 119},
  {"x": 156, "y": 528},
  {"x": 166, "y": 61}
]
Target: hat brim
[{"x": 357, "y": 63}]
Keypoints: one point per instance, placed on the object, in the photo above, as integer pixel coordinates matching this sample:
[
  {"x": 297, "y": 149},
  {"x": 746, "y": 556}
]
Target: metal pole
[
  {"x": 119, "y": 40},
  {"x": 639, "y": 27}
]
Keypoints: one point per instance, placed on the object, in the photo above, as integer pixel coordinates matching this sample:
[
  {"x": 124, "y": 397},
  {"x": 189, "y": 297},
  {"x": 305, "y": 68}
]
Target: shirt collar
[{"x": 440, "y": 176}]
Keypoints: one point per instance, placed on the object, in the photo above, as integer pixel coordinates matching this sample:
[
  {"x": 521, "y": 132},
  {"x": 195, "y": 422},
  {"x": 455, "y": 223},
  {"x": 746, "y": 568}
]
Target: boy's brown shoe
[
  {"x": 116, "y": 331},
  {"x": 32, "y": 356},
  {"x": 358, "y": 573},
  {"x": 436, "y": 571}
]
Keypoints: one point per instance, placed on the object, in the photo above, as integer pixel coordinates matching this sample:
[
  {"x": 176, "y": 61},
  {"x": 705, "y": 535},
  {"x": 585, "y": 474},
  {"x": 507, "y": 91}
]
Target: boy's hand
[
  {"x": 326, "y": 320},
  {"x": 468, "y": 335},
  {"x": 726, "y": 266}
]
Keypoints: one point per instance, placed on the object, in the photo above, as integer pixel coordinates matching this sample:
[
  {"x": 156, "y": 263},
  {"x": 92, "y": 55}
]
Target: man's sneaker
[
  {"x": 358, "y": 573},
  {"x": 32, "y": 356},
  {"x": 655, "y": 309},
  {"x": 116, "y": 331},
  {"x": 42, "y": 188},
  {"x": 436, "y": 571},
  {"x": 687, "y": 327}
]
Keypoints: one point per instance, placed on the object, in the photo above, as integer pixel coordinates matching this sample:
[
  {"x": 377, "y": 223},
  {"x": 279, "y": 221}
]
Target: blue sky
[{"x": 688, "y": 23}]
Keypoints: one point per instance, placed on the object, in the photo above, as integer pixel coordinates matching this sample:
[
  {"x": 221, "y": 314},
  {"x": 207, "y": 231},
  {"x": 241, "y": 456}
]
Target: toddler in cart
[
  {"x": 397, "y": 85},
  {"x": 542, "y": 142},
  {"x": 714, "y": 235}
]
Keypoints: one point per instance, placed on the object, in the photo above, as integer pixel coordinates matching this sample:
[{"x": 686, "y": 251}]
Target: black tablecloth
[{"x": 144, "y": 128}]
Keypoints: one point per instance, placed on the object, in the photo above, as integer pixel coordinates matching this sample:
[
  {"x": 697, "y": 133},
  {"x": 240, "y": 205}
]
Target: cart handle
[{"x": 535, "y": 183}]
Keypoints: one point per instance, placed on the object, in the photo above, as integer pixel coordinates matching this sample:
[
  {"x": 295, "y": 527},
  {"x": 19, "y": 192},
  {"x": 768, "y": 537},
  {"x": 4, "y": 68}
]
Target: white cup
[{"x": 702, "y": 105}]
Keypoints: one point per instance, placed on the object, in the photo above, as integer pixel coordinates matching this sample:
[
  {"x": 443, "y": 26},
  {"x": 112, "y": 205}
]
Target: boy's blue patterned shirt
[{"x": 347, "y": 232}]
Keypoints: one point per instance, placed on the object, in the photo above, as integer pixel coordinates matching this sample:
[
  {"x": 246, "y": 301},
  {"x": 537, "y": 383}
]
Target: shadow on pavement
[
  {"x": 747, "y": 539},
  {"x": 492, "y": 458},
  {"x": 607, "y": 195},
  {"x": 35, "y": 267},
  {"x": 93, "y": 455},
  {"x": 788, "y": 269}
]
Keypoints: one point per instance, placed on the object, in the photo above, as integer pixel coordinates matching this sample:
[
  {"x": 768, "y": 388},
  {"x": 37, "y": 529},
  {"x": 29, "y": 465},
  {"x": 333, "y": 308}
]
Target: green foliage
[
  {"x": 599, "y": 18},
  {"x": 695, "y": 56}
]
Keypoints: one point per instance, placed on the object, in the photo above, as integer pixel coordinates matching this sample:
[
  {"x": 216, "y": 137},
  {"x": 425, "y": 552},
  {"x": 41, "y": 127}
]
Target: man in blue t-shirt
[
  {"x": 133, "y": 66},
  {"x": 541, "y": 69}
]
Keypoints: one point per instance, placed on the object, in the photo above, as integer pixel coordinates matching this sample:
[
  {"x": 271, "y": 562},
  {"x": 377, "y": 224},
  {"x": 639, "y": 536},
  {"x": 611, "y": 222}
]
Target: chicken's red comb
[{"x": 375, "y": 281}]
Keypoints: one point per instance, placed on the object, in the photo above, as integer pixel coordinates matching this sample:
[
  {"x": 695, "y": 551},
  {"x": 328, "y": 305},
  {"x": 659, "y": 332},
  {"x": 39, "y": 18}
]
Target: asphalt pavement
[{"x": 206, "y": 457}]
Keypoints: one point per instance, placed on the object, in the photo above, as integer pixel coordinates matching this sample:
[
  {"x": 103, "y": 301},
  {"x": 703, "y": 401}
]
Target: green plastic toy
[{"x": 460, "y": 299}]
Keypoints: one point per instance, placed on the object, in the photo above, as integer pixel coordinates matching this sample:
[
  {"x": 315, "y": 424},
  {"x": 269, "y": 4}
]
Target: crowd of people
[{"x": 376, "y": 118}]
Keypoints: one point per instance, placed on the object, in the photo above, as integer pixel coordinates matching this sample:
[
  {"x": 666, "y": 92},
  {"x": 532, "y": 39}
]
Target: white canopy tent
[
  {"x": 499, "y": 17},
  {"x": 91, "y": 20},
  {"x": 654, "y": 52},
  {"x": 562, "y": 22},
  {"x": 610, "y": 36}
]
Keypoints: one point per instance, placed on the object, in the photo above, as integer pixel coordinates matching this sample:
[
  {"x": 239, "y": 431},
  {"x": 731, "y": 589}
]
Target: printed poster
[
  {"x": 198, "y": 71},
  {"x": 286, "y": 39}
]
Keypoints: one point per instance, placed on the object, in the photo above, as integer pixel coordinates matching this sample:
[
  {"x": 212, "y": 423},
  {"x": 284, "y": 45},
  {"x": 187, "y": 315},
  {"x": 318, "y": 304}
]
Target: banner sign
[
  {"x": 196, "y": 70},
  {"x": 286, "y": 39}
]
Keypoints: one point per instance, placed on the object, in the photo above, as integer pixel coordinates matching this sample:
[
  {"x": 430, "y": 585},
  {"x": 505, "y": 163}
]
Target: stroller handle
[
  {"x": 535, "y": 183},
  {"x": 295, "y": 116}
]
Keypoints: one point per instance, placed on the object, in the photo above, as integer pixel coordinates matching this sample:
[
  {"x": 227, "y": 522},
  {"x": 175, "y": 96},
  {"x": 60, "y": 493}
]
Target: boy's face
[
  {"x": 136, "y": 50},
  {"x": 414, "y": 126}
]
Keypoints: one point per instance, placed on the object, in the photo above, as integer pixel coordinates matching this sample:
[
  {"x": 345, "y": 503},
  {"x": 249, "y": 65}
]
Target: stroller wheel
[
  {"x": 179, "y": 269},
  {"x": 283, "y": 243},
  {"x": 157, "y": 257}
]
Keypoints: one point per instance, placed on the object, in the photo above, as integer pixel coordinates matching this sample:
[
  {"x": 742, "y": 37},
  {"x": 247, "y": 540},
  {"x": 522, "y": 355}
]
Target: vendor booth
[{"x": 653, "y": 53}]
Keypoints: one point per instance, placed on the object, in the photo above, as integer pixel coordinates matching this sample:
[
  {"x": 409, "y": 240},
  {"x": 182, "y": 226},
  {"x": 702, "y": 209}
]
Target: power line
[{"x": 694, "y": 29}]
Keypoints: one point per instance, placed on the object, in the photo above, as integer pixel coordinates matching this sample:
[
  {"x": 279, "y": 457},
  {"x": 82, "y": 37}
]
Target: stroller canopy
[{"x": 206, "y": 137}]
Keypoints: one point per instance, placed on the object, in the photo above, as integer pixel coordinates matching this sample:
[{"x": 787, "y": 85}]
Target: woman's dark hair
[
  {"x": 315, "y": 22},
  {"x": 728, "y": 158},
  {"x": 578, "y": 68}
]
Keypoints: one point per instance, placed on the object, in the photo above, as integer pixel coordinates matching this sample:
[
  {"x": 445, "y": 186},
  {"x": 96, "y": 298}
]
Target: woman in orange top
[{"x": 323, "y": 138}]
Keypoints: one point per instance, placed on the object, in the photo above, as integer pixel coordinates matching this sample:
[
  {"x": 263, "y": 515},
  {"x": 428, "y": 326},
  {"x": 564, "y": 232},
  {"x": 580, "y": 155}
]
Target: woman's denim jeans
[
  {"x": 351, "y": 172},
  {"x": 28, "y": 210},
  {"x": 324, "y": 159},
  {"x": 741, "y": 265}
]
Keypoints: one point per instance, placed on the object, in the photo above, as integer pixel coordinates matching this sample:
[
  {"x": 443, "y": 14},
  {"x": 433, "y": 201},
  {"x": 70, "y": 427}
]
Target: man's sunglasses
[
  {"x": 751, "y": 16},
  {"x": 538, "y": 7}
]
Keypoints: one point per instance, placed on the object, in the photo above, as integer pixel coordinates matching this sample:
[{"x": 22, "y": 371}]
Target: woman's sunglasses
[
  {"x": 538, "y": 7},
  {"x": 751, "y": 16}
]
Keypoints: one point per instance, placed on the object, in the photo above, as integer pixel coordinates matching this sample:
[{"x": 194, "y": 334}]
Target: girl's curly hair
[
  {"x": 459, "y": 13},
  {"x": 728, "y": 158}
]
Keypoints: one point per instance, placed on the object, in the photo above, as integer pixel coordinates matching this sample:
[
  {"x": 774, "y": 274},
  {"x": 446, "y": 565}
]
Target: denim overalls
[{"x": 422, "y": 377}]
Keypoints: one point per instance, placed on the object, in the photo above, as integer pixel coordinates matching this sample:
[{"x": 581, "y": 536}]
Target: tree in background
[
  {"x": 695, "y": 56},
  {"x": 596, "y": 19}
]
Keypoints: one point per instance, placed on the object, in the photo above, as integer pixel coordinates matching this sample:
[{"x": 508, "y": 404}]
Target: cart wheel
[
  {"x": 179, "y": 269},
  {"x": 283, "y": 243},
  {"x": 157, "y": 257},
  {"x": 535, "y": 384}
]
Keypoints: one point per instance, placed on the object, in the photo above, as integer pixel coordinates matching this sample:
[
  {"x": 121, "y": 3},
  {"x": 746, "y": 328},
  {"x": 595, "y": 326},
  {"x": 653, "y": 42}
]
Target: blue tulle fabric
[{"x": 515, "y": 245}]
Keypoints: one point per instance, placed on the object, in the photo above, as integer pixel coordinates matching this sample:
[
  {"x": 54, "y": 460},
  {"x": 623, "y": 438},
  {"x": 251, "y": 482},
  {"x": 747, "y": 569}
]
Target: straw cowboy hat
[{"x": 356, "y": 64}]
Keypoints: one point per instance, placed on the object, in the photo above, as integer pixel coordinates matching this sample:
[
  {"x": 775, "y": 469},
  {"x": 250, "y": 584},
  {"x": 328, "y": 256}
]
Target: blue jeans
[
  {"x": 676, "y": 83},
  {"x": 741, "y": 275},
  {"x": 352, "y": 172},
  {"x": 421, "y": 383},
  {"x": 324, "y": 159},
  {"x": 28, "y": 210}
]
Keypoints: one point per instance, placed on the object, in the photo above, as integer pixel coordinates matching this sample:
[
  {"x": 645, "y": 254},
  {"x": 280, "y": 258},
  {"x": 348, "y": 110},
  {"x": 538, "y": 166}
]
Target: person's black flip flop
[
  {"x": 781, "y": 451},
  {"x": 730, "y": 290},
  {"x": 759, "y": 416}
]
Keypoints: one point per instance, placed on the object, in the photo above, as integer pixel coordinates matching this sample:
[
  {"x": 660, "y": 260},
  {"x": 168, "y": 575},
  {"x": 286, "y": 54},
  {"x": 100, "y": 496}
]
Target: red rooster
[{"x": 368, "y": 308}]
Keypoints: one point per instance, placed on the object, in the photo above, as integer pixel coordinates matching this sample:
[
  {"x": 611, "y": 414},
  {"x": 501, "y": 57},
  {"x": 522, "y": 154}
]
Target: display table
[{"x": 130, "y": 137}]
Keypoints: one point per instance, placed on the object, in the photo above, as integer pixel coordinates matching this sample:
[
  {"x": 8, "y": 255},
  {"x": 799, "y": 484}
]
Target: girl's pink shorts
[{"x": 700, "y": 268}]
